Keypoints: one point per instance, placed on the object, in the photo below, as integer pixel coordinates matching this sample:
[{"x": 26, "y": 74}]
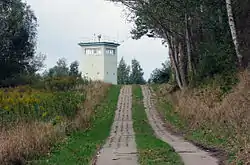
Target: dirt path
[
  {"x": 190, "y": 154},
  {"x": 120, "y": 148}
]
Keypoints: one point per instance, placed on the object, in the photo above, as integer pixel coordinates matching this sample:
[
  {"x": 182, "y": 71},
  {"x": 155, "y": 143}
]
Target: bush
[
  {"x": 60, "y": 83},
  {"x": 26, "y": 104},
  {"x": 20, "y": 79}
]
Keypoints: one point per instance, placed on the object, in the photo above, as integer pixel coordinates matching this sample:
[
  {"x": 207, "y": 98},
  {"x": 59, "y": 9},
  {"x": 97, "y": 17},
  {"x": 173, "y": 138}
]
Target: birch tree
[{"x": 233, "y": 31}]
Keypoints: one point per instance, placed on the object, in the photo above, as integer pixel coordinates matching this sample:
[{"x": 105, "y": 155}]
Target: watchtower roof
[{"x": 99, "y": 44}]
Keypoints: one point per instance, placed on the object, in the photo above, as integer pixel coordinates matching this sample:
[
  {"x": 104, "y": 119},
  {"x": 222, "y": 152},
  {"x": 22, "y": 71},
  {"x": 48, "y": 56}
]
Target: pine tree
[
  {"x": 123, "y": 71},
  {"x": 136, "y": 76}
]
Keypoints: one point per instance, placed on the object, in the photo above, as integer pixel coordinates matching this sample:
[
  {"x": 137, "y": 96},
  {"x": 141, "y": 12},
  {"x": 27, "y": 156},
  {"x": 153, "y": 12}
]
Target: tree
[
  {"x": 60, "y": 69},
  {"x": 74, "y": 69},
  {"x": 18, "y": 39},
  {"x": 161, "y": 75},
  {"x": 233, "y": 31},
  {"x": 136, "y": 76},
  {"x": 196, "y": 33},
  {"x": 36, "y": 63},
  {"x": 123, "y": 71}
]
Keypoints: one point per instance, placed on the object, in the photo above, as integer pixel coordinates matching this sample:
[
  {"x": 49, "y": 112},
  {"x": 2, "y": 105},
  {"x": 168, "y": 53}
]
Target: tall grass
[
  {"x": 81, "y": 146},
  {"x": 213, "y": 119},
  {"x": 26, "y": 104},
  {"x": 35, "y": 119}
]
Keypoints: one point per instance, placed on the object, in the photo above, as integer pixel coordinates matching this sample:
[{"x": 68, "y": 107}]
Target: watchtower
[{"x": 99, "y": 60}]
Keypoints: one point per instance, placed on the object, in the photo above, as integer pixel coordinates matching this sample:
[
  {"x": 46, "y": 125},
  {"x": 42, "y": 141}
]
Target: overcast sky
[{"x": 64, "y": 23}]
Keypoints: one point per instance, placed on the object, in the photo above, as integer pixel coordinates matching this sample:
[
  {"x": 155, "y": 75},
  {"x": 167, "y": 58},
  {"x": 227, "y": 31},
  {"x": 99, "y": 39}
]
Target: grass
[
  {"x": 211, "y": 122},
  {"x": 201, "y": 135},
  {"x": 172, "y": 116},
  {"x": 152, "y": 151},
  {"x": 81, "y": 146},
  {"x": 27, "y": 104}
]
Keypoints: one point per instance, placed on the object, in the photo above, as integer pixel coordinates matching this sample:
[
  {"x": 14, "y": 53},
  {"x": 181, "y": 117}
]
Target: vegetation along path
[
  {"x": 152, "y": 151},
  {"x": 190, "y": 154},
  {"x": 120, "y": 147}
]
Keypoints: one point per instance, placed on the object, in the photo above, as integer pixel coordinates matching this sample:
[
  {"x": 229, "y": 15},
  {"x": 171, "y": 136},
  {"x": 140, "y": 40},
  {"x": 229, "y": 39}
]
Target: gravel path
[
  {"x": 190, "y": 154},
  {"x": 120, "y": 148}
]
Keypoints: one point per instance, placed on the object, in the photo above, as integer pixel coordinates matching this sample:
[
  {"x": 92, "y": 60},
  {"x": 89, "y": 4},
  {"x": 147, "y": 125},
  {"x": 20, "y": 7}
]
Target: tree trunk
[
  {"x": 174, "y": 63},
  {"x": 233, "y": 31},
  {"x": 175, "y": 53},
  {"x": 182, "y": 65},
  {"x": 188, "y": 45}
]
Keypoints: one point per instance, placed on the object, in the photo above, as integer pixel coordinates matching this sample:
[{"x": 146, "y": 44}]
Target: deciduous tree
[{"x": 17, "y": 39}]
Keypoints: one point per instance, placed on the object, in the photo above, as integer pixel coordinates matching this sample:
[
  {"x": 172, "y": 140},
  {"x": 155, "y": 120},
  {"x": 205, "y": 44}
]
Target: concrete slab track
[
  {"x": 190, "y": 154},
  {"x": 120, "y": 148}
]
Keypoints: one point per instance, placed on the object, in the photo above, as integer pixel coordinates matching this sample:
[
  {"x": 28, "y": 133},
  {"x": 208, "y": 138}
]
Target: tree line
[
  {"x": 19, "y": 61},
  {"x": 130, "y": 75},
  {"x": 206, "y": 38},
  {"x": 133, "y": 74}
]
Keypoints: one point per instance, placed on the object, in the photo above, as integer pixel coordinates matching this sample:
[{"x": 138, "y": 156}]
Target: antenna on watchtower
[{"x": 99, "y": 37}]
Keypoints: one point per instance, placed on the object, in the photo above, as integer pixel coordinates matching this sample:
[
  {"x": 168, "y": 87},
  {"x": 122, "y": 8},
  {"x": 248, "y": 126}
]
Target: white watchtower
[{"x": 99, "y": 61}]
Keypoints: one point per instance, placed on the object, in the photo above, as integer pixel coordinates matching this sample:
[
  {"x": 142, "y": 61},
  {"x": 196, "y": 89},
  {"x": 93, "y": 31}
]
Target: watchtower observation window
[
  {"x": 110, "y": 51},
  {"x": 93, "y": 51}
]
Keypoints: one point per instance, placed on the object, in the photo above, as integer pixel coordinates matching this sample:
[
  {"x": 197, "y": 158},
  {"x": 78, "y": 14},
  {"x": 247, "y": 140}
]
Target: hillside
[{"x": 211, "y": 118}]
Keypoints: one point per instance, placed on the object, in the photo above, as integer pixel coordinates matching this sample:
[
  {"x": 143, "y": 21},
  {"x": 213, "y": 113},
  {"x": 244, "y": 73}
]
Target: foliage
[
  {"x": 26, "y": 103},
  {"x": 136, "y": 76},
  {"x": 74, "y": 69},
  {"x": 37, "y": 63},
  {"x": 61, "y": 83},
  {"x": 93, "y": 137},
  {"x": 61, "y": 77},
  {"x": 197, "y": 34},
  {"x": 18, "y": 39},
  {"x": 21, "y": 79},
  {"x": 61, "y": 69},
  {"x": 127, "y": 76},
  {"x": 54, "y": 115},
  {"x": 123, "y": 72},
  {"x": 161, "y": 75}
]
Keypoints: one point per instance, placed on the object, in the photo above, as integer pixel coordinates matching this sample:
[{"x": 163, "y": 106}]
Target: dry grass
[
  {"x": 227, "y": 117},
  {"x": 28, "y": 140},
  {"x": 25, "y": 140},
  {"x": 95, "y": 93}
]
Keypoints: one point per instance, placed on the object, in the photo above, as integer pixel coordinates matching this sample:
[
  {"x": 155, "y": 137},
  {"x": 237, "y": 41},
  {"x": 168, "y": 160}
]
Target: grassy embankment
[
  {"x": 35, "y": 121},
  {"x": 152, "y": 151},
  {"x": 81, "y": 146},
  {"x": 210, "y": 118}
]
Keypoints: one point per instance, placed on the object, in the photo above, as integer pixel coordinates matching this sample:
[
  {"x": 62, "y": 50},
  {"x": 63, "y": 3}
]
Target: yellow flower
[
  {"x": 6, "y": 108},
  {"x": 44, "y": 114}
]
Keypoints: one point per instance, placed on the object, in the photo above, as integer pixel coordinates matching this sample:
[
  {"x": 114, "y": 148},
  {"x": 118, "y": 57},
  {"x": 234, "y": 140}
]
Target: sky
[{"x": 65, "y": 23}]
